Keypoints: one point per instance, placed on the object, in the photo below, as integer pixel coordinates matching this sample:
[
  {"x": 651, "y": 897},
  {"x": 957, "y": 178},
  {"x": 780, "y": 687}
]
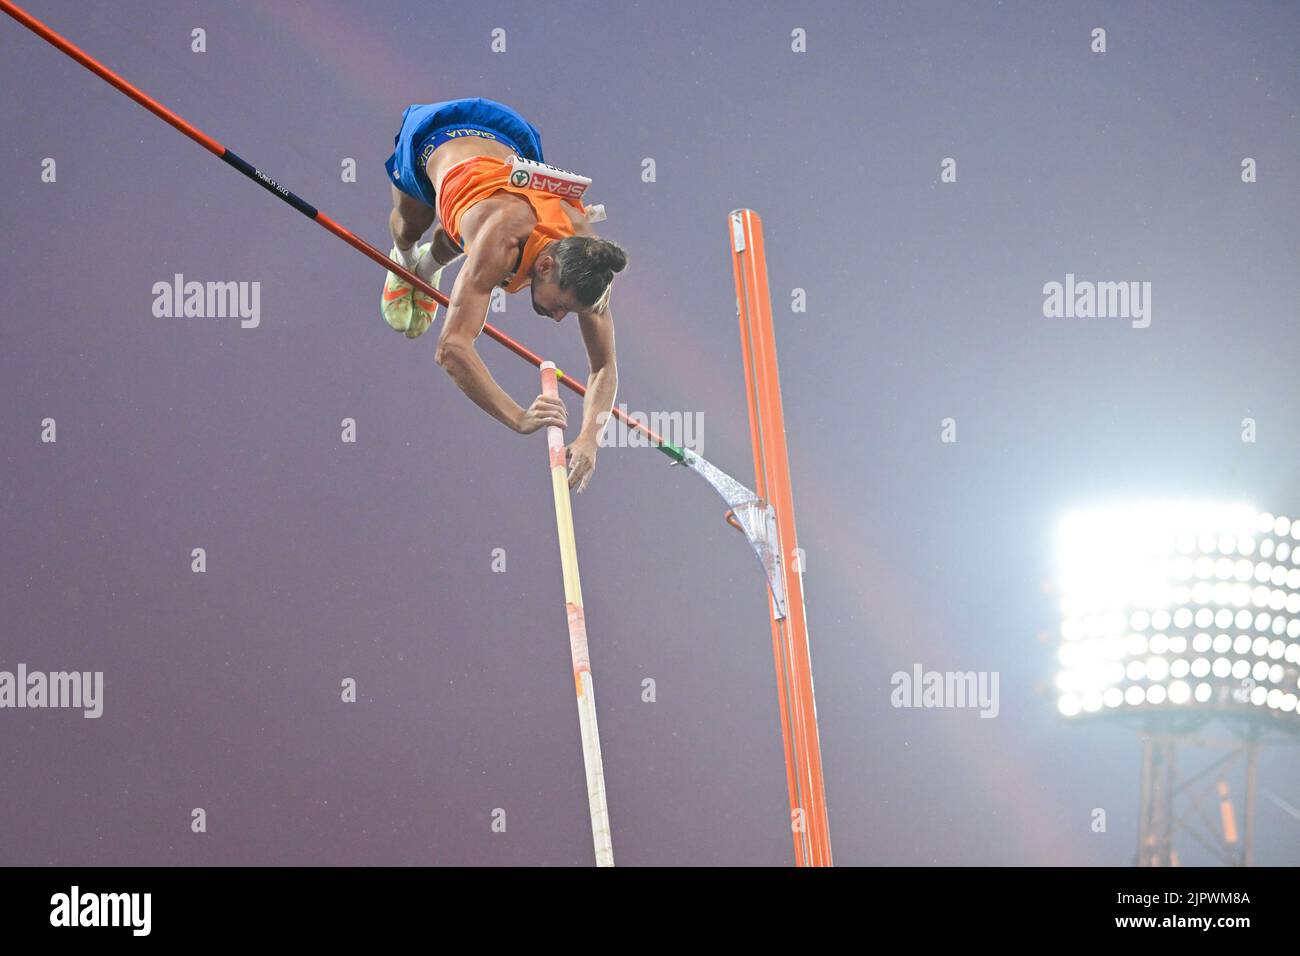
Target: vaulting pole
[
  {"x": 794, "y": 683},
  {"x": 304, "y": 207},
  {"x": 577, "y": 633}
]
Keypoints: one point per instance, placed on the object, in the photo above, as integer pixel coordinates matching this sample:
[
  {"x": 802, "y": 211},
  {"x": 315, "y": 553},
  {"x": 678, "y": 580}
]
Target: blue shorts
[{"x": 426, "y": 127}]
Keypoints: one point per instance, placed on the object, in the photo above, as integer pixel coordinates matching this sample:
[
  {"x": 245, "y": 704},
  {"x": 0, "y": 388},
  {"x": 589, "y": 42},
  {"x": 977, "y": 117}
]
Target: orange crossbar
[{"x": 794, "y": 683}]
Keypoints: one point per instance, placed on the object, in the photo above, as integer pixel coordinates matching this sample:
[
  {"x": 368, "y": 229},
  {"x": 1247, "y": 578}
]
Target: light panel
[{"x": 1168, "y": 606}]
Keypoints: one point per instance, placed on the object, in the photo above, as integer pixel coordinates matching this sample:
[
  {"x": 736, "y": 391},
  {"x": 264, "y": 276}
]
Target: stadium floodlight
[
  {"x": 1170, "y": 606},
  {"x": 1176, "y": 616}
]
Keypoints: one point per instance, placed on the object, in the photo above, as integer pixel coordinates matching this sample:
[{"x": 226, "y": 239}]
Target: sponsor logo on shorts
[
  {"x": 458, "y": 133},
  {"x": 451, "y": 134}
]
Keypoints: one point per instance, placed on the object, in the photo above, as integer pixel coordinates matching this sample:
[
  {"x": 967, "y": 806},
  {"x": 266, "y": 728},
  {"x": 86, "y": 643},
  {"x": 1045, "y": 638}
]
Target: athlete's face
[{"x": 550, "y": 301}]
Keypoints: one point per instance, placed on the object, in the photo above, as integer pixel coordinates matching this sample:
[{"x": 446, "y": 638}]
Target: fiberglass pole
[{"x": 577, "y": 633}]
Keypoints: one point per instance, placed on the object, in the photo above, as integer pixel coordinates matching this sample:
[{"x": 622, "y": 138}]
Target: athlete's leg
[
  {"x": 409, "y": 220},
  {"x": 443, "y": 250},
  {"x": 405, "y": 308}
]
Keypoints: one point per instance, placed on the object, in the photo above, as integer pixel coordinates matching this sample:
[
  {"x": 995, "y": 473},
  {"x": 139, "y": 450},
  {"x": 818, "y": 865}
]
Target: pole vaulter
[{"x": 749, "y": 512}]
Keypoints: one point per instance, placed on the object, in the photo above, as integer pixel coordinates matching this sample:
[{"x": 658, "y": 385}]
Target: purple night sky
[{"x": 374, "y": 560}]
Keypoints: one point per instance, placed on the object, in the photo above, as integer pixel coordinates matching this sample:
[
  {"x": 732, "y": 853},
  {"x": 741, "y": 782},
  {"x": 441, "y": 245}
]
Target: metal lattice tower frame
[{"x": 1212, "y": 804}]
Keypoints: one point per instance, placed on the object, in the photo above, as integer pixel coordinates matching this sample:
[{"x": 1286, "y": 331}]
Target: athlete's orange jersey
[{"x": 477, "y": 178}]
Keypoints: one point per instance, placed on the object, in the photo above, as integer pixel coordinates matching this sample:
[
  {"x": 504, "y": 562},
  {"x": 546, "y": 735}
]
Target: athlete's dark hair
[{"x": 587, "y": 265}]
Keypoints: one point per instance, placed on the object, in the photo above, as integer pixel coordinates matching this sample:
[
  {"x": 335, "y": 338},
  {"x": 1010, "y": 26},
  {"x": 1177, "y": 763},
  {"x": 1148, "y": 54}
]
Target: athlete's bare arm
[
  {"x": 492, "y": 255},
  {"x": 602, "y": 385}
]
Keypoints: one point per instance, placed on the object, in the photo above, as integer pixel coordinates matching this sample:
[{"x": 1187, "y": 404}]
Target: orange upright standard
[{"x": 794, "y": 682}]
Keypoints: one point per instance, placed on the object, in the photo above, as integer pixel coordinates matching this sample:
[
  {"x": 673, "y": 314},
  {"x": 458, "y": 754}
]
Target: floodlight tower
[{"x": 1183, "y": 621}]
